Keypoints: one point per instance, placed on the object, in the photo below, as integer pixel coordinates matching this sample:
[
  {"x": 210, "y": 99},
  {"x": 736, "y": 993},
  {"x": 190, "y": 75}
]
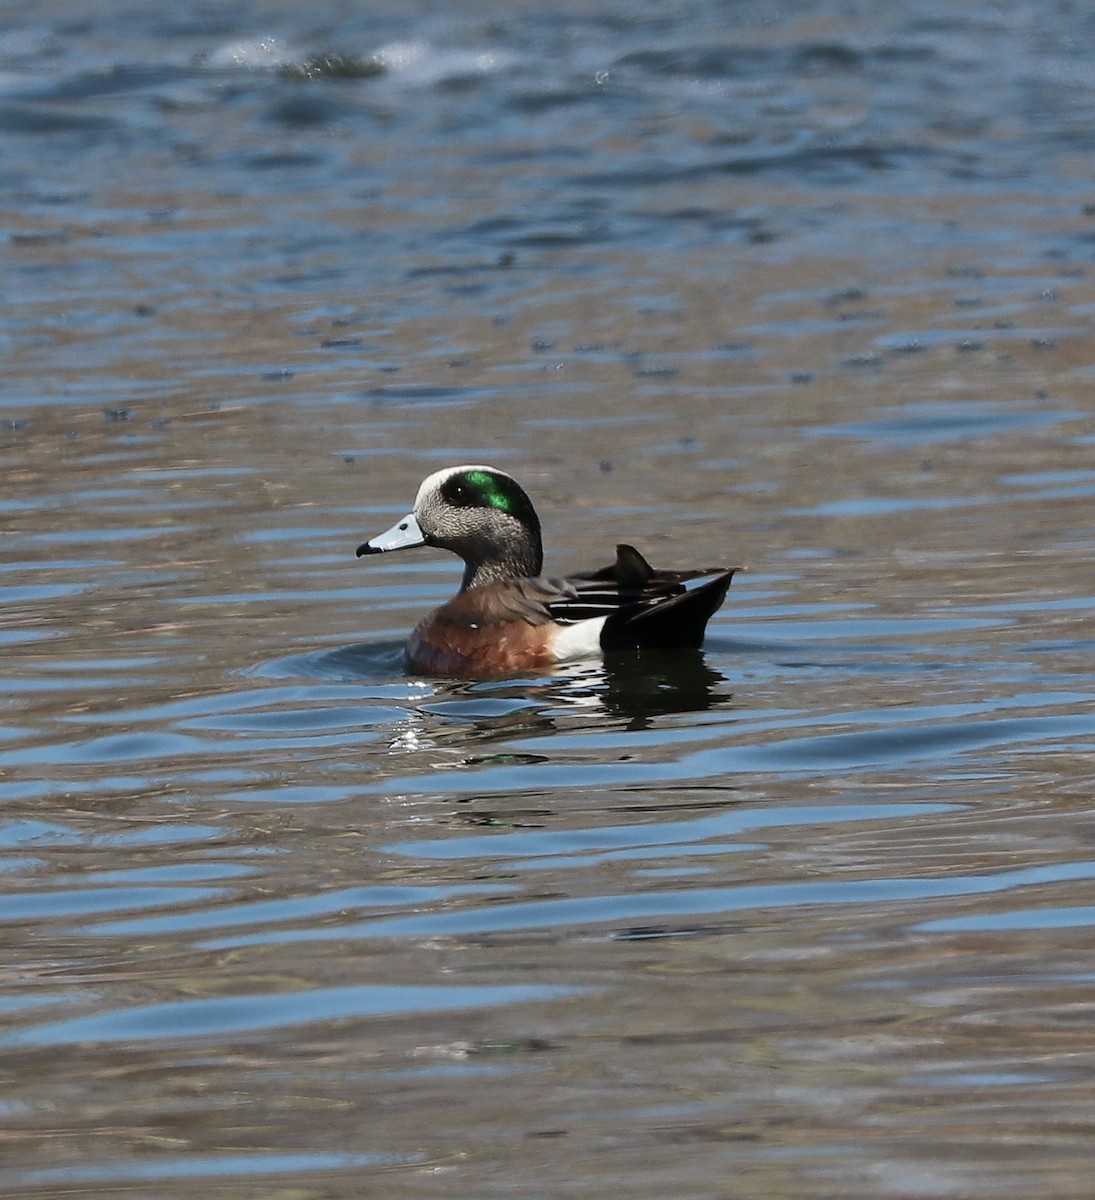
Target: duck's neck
[{"x": 516, "y": 562}]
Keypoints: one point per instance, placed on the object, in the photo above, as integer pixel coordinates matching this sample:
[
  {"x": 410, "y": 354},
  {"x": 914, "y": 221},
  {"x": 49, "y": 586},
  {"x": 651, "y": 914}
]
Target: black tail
[{"x": 665, "y": 614}]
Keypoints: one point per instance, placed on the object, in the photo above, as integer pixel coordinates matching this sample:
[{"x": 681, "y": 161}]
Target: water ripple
[{"x": 231, "y": 1015}]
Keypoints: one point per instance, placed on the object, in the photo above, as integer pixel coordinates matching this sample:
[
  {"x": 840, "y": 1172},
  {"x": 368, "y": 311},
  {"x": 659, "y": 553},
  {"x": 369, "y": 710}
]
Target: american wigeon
[{"x": 507, "y": 617}]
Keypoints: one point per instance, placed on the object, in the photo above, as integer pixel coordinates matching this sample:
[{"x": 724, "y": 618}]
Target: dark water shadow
[
  {"x": 638, "y": 688},
  {"x": 642, "y": 687}
]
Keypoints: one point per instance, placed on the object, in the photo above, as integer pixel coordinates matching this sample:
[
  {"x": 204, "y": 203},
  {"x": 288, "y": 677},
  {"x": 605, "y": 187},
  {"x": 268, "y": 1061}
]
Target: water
[{"x": 809, "y": 914}]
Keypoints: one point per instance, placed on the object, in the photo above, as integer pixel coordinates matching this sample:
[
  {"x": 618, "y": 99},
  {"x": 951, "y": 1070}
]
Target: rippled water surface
[{"x": 806, "y": 288}]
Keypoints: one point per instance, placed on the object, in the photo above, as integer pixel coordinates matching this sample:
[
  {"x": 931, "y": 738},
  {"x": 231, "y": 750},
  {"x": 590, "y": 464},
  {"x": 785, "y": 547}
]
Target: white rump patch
[{"x": 580, "y": 640}]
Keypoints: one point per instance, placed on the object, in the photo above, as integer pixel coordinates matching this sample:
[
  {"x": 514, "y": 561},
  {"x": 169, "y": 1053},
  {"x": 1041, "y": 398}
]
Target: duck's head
[{"x": 480, "y": 513}]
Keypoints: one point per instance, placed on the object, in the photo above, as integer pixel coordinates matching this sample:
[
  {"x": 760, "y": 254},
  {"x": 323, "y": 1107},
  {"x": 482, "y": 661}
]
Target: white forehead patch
[{"x": 432, "y": 484}]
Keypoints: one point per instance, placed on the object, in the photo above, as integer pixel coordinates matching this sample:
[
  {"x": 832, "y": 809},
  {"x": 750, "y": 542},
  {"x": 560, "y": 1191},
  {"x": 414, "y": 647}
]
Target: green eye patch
[
  {"x": 489, "y": 492},
  {"x": 490, "y": 489}
]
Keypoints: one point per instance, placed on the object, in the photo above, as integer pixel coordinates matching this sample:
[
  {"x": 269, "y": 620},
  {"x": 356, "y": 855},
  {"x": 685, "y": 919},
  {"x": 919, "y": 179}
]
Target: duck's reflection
[
  {"x": 449, "y": 715},
  {"x": 642, "y": 687},
  {"x": 636, "y": 687}
]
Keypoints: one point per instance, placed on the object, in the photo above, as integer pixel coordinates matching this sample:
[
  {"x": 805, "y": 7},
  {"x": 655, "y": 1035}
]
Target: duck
[{"x": 509, "y": 618}]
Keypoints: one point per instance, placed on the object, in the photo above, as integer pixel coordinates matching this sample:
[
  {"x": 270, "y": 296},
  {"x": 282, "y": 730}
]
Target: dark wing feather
[
  {"x": 629, "y": 592},
  {"x": 643, "y": 606},
  {"x": 672, "y": 622},
  {"x": 527, "y": 600}
]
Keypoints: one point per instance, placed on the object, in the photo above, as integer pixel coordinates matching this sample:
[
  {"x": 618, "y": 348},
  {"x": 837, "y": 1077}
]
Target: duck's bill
[{"x": 402, "y": 535}]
